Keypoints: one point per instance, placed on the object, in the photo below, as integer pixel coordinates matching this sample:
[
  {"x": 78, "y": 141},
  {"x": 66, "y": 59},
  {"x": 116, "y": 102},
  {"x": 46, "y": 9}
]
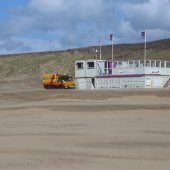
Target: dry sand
[{"x": 84, "y": 130}]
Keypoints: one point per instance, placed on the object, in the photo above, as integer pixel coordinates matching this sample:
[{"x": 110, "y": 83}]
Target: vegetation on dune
[{"x": 63, "y": 61}]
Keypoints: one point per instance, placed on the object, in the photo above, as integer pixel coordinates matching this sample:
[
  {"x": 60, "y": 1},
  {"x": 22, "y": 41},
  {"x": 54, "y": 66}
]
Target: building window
[
  {"x": 163, "y": 64},
  {"x": 120, "y": 63},
  {"x": 141, "y": 63},
  {"x": 130, "y": 64},
  {"x": 79, "y": 65},
  {"x": 147, "y": 63},
  {"x": 168, "y": 64},
  {"x": 152, "y": 63},
  {"x": 136, "y": 63},
  {"x": 90, "y": 65},
  {"x": 157, "y": 63},
  {"x": 114, "y": 64}
]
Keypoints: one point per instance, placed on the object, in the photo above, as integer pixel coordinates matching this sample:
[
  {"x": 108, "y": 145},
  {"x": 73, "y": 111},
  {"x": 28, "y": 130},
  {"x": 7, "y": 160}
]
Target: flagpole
[
  {"x": 111, "y": 39},
  {"x": 112, "y": 49},
  {"x": 100, "y": 51},
  {"x": 145, "y": 48},
  {"x": 100, "y": 39}
]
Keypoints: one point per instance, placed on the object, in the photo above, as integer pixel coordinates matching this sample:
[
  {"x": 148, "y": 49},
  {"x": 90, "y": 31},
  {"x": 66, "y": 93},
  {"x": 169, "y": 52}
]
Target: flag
[
  {"x": 143, "y": 34},
  {"x": 111, "y": 37}
]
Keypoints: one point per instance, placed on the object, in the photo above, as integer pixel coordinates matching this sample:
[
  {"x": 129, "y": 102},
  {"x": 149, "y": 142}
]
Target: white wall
[
  {"x": 80, "y": 72},
  {"x": 153, "y": 81}
]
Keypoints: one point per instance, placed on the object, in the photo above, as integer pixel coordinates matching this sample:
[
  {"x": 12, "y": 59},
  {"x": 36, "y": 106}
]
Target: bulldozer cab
[{"x": 65, "y": 78}]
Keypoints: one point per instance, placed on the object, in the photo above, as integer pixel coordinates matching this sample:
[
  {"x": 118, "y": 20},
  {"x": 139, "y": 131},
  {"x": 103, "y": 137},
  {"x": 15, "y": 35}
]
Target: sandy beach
[{"x": 79, "y": 130}]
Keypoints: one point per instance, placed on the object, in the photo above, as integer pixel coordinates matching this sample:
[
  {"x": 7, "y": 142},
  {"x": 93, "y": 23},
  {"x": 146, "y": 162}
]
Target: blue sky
[{"x": 51, "y": 25}]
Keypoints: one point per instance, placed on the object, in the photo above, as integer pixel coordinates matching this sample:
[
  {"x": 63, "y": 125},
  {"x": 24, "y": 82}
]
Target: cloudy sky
[{"x": 50, "y": 25}]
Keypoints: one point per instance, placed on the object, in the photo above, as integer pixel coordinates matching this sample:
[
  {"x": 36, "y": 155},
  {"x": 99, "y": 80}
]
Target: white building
[{"x": 97, "y": 74}]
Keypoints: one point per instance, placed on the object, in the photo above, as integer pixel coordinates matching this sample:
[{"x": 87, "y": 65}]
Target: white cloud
[
  {"x": 151, "y": 14},
  {"x": 126, "y": 33},
  {"x": 15, "y": 45},
  {"x": 61, "y": 24},
  {"x": 154, "y": 34},
  {"x": 22, "y": 24},
  {"x": 67, "y": 9},
  {"x": 126, "y": 29},
  {"x": 48, "y": 6}
]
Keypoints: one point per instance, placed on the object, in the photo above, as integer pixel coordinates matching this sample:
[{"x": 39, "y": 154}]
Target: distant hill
[{"x": 63, "y": 61}]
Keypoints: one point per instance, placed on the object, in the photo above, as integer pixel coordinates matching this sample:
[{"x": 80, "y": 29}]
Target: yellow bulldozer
[{"x": 57, "y": 81}]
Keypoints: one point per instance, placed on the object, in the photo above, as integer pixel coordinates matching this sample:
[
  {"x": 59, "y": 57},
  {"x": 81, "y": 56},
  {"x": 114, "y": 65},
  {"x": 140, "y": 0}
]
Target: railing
[
  {"x": 166, "y": 82},
  {"x": 99, "y": 70},
  {"x": 138, "y": 63}
]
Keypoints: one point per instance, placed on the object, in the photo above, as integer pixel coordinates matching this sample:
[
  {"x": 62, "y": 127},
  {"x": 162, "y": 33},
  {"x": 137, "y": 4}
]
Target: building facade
[{"x": 99, "y": 74}]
